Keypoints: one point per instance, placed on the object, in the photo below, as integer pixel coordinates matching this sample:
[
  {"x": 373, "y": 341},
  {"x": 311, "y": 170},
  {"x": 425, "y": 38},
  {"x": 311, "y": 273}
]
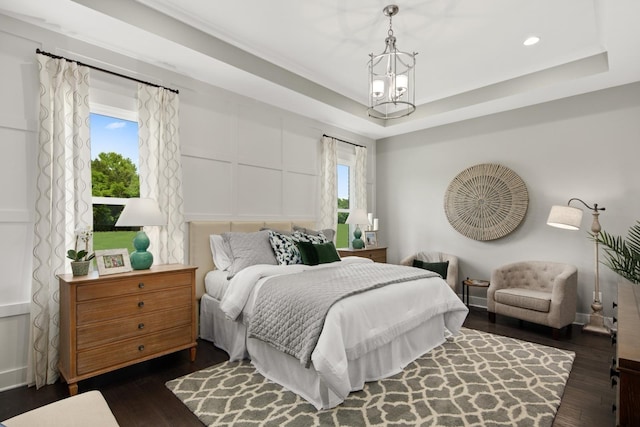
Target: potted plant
[
  {"x": 81, "y": 259},
  {"x": 623, "y": 256}
]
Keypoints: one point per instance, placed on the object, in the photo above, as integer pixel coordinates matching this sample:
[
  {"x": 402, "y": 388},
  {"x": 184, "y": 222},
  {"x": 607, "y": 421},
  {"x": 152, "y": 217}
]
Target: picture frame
[
  {"x": 370, "y": 239},
  {"x": 111, "y": 261}
]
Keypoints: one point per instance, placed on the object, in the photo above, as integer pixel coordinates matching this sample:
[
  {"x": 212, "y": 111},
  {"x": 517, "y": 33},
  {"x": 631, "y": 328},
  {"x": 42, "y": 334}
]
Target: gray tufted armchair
[{"x": 536, "y": 291}]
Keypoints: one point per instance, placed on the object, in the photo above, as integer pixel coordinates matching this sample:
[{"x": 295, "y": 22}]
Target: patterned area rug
[{"x": 474, "y": 379}]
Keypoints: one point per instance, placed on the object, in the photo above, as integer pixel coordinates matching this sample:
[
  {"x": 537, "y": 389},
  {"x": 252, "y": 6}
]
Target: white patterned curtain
[
  {"x": 161, "y": 169},
  {"x": 360, "y": 178},
  {"x": 328, "y": 184},
  {"x": 63, "y": 201}
]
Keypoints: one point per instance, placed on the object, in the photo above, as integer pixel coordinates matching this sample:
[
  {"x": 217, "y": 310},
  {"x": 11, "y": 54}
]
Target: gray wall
[
  {"x": 241, "y": 159},
  {"x": 586, "y": 146}
]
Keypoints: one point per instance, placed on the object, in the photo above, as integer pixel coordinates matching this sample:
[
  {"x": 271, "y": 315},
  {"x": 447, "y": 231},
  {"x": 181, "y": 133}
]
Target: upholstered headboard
[{"x": 200, "y": 251}]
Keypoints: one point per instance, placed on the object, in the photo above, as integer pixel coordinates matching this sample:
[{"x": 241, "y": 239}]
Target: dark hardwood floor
[{"x": 137, "y": 395}]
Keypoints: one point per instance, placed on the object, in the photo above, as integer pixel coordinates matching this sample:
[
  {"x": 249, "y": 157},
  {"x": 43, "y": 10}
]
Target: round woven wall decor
[{"x": 486, "y": 201}]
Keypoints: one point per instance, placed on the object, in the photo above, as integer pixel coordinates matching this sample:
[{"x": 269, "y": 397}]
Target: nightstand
[
  {"x": 466, "y": 283},
  {"x": 376, "y": 254},
  {"x": 112, "y": 321}
]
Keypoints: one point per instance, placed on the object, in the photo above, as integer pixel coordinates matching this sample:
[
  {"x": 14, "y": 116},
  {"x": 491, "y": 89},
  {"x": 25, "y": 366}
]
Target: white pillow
[{"x": 220, "y": 251}]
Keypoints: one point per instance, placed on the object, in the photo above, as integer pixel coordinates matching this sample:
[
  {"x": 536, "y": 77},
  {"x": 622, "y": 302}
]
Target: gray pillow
[
  {"x": 327, "y": 232},
  {"x": 249, "y": 249}
]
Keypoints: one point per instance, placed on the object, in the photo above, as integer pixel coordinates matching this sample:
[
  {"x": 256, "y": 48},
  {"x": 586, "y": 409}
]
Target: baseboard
[
  {"x": 581, "y": 318},
  {"x": 13, "y": 378}
]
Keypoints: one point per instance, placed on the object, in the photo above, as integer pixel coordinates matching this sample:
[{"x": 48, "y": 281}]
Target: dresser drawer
[
  {"x": 114, "y": 308},
  {"x": 133, "y": 285},
  {"x": 95, "y": 334},
  {"x": 133, "y": 349},
  {"x": 378, "y": 256}
]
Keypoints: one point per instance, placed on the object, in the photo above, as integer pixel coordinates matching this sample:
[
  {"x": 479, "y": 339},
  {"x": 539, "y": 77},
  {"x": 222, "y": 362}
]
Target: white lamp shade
[
  {"x": 377, "y": 88},
  {"x": 357, "y": 217},
  {"x": 140, "y": 212},
  {"x": 565, "y": 217},
  {"x": 402, "y": 81}
]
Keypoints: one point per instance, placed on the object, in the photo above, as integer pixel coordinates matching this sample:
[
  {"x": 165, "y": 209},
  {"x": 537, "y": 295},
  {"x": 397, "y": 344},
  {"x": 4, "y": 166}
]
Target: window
[
  {"x": 342, "y": 233},
  {"x": 114, "y": 173},
  {"x": 345, "y": 182}
]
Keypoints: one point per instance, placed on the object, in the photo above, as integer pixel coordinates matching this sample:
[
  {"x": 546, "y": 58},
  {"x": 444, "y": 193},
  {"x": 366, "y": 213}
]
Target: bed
[{"x": 365, "y": 336}]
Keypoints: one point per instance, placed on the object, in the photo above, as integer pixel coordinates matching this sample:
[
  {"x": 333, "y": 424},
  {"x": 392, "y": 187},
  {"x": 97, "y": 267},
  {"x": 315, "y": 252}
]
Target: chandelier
[{"x": 391, "y": 78}]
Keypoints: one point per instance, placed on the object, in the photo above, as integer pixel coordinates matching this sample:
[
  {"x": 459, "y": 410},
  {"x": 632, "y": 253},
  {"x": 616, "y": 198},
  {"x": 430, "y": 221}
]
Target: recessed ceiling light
[{"x": 530, "y": 41}]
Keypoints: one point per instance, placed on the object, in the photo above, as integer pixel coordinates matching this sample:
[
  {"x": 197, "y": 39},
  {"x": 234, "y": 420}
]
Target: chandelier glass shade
[{"x": 391, "y": 78}]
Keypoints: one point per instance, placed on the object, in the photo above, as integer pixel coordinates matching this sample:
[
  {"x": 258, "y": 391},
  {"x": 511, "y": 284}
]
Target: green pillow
[
  {"x": 326, "y": 252},
  {"x": 317, "y": 253},
  {"x": 307, "y": 253},
  {"x": 437, "y": 267}
]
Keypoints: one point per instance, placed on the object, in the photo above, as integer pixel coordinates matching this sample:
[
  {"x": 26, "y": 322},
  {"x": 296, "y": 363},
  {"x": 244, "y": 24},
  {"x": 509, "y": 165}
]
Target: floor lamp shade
[
  {"x": 138, "y": 213},
  {"x": 566, "y": 217},
  {"x": 358, "y": 217}
]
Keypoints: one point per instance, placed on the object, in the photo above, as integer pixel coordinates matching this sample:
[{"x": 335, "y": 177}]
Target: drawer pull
[
  {"x": 141, "y": 347},
  {"x": 140, "y": 325},
  {"x": 141, "y": 304},
  {"x": 141, "y": 285}
]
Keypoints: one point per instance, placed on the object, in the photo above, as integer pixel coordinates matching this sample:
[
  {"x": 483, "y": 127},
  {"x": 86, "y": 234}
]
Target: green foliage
[
  {"x": 623, "y": 256},
  {"x": 113, "y": 240},
  {"x": 112, "y": 175},
  {"x": 79, "y": 255},
  {"x": 342, "y": 236},
  {"x": 342, "y": 216},
  {"x": 343, "y": 203}
]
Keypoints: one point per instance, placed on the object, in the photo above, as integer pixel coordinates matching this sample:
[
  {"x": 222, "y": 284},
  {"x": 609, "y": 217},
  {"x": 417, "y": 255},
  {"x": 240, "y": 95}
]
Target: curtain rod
[
  {"x": 41, "y": 52},
  {"x": 342, "y": 140}
]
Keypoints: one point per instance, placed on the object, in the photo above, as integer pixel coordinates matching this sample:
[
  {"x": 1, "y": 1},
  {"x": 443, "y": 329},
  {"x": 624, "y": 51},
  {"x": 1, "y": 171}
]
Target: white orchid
[{"x": 83, "y": 234}]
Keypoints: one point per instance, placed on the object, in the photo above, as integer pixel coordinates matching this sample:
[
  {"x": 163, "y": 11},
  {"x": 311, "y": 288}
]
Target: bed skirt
[
  {"x": 225, "y": 334},
  {"x": 382, "y": 362}
]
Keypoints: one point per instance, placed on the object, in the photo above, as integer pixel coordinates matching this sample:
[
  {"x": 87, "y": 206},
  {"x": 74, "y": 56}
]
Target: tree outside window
[{"x": 114, "y": 177}]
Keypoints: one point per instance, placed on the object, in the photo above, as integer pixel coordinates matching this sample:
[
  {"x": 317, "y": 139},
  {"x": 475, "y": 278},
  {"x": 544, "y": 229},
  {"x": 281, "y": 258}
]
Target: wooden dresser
[
  {"x": 108, "y": 322},
  {"x": 628, "y": 355},
  {"x": 376, "y": 254}
]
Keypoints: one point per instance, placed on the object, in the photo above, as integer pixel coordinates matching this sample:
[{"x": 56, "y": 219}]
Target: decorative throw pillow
[
  {"x": 317, "y": 253},
  {"x": 220, "y": 252},
  {"x": 326, "y": 252},
  {"x": 299, "y": 236},
  {"x": 285, "y": 248},
  {"x": 248, "y": 249},
  {"x": 328, "y": 233},
  {"x": 307, "y": 253},
  {"x": 437, "y": 267}
]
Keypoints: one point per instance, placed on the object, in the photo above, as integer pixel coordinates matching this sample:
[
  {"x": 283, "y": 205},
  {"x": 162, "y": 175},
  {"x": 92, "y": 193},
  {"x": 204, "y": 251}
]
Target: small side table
[{"x": 474, "y": 283}]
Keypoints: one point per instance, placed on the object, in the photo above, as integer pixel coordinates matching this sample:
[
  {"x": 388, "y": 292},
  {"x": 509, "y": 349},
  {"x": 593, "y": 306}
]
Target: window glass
[
  {"x": 344, "y": 186},
  {"x": 114, "y": 177}
]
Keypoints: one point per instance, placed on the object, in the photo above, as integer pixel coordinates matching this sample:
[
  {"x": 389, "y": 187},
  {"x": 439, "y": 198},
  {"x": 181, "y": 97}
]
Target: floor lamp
[{"x": 569, "y": 218}]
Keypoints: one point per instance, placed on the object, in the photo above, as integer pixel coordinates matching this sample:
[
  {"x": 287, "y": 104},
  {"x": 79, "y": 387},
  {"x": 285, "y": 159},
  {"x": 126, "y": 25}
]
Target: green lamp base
[
  {"x": 357, "y": 242},
  {"x": 140, "y": 258}
]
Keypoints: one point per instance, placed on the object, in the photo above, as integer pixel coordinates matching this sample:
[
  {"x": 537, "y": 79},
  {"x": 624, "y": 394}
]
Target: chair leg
[
  {"x": 569, "y": 330},
  {"x": 555, "y": 332},
  {"x": 492, "y": 317}
]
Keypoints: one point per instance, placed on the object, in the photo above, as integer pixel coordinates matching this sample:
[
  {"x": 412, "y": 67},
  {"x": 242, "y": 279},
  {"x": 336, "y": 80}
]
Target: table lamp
[
  {"x": 138, "y": 213},
  {"x": 569, "y": 218},
  {"x": 357, "y": 217}
]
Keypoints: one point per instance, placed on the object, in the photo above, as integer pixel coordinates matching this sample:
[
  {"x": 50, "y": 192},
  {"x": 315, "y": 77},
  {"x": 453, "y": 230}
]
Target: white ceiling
[{"x": 311, "y": 57}]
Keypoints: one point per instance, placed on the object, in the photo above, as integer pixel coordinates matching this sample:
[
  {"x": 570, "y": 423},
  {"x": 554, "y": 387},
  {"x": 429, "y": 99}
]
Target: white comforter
[{"x": 357, "y": 324}]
